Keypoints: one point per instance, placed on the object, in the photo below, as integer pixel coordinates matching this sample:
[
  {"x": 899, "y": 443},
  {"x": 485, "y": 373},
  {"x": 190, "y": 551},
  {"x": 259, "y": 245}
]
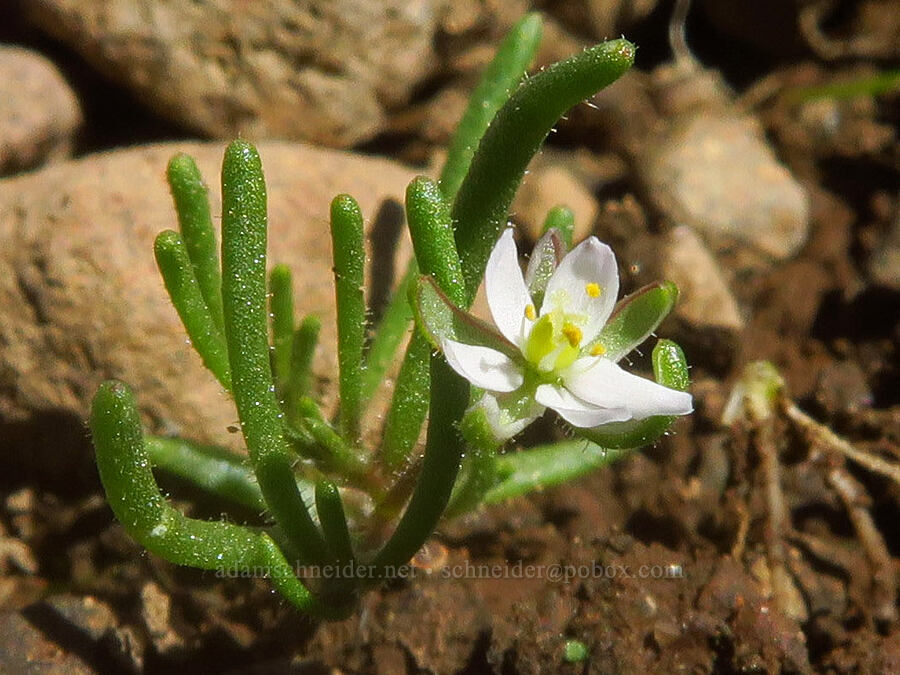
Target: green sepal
[
  {"x": 545, "y": 258},
  {"x": 635, "y": 318},
  {"x": 561, "y": 218},
  {"x": 671, "y": 370},
  {"x": 439, "y": 319}
]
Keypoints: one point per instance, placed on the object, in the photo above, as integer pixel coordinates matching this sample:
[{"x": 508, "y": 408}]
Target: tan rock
[
  {"x": 325, "y": 72},
  {"x": 716, "y": 174},
  {"x": 39, "y": 113},
  {"x": 81, "y": 300},
  {"x": 704, "y": 300},
  {"x": 547, "y": 187}
]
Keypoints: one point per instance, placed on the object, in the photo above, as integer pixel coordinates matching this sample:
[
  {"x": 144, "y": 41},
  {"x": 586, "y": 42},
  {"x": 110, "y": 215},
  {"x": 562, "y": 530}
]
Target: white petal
[
  {"x": 507, "y": 295},
  {"x": 589, "y": 263},
  {"x": 482, "y": 366},
  {"x": 601, "y": 382},
  {"x": 576, "y": 412},
  {"x": 503, "y": 425}
]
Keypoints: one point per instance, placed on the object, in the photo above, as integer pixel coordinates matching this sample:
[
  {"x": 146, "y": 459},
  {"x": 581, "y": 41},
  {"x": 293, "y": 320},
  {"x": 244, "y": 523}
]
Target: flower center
[{"x": 555, "y": 341}]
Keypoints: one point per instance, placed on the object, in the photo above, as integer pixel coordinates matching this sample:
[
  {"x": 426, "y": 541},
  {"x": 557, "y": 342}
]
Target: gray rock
[
  {"x": 324, "y": 72},
  {"x": 39, "y": 113},
  {"x": 714, "y": 172},
  {"x": 81, "y": 299}
]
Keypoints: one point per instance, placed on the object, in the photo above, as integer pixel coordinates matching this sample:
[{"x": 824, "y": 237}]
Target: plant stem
[{"x": 443, "y": 449}]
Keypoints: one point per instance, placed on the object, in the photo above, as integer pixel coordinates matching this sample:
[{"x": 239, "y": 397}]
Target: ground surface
[{"x": 673, "y": 560}]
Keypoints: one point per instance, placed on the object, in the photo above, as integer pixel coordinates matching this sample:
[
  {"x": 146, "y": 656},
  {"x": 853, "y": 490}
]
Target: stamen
[
  {"x": 530, "y": 314},
  {"x": 573, "y": 334},
  {"x": 593, "y": 290},
  {"x": 598, "y": 350}
]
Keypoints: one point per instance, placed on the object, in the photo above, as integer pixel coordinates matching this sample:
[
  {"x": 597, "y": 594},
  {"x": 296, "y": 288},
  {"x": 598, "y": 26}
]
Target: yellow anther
[
  {"x": 598, "y": 350},
  {"x": 530, "y": 314},
  {"x": 573, "y": 334},
  {"x": 593, "y": 290}
]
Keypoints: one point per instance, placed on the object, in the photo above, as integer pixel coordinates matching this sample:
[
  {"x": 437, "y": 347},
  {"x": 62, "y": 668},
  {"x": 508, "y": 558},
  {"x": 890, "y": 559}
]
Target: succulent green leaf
[
  {"x": 247, "y": 335},
  {"x": 348, "y": 249},
  {"x": 499, "y": 79},
  {"x": 184, "y": 291},
  {"x": 409, "y": 405},
  {"x": 514, "y": 136},
  {"x": 281, "y": 309},
  {"x": 195, "y": 222},
  {"x": 132, "y": 492}
]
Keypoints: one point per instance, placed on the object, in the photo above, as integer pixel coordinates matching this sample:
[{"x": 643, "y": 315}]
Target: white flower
[{"x": 557, "y": 361}]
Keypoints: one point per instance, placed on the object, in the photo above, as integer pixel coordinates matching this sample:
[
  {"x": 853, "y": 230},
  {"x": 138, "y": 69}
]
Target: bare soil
[{"x": 672, "y": 558}]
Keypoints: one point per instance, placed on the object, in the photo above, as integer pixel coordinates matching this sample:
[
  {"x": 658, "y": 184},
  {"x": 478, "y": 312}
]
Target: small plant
[{"x": 331, "y": 500}]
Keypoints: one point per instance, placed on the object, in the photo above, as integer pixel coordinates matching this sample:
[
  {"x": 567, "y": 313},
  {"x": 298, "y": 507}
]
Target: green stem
[
  {"x": 349, "y": 269},
  {"x": 479, "y": 465},
  {"x": 329, "y": 450},
  {"x": 515, "y": 135},
  {"x": 195, "y": 222},
  {"x": 184, "y": 291},
  {"x": 443, "y": 449},
  {"x": 246, "y": 329}
]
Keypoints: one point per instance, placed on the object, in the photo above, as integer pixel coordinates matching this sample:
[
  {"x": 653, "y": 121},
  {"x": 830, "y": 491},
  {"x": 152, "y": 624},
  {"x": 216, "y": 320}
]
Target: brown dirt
[{"x": 77, "y": 594}]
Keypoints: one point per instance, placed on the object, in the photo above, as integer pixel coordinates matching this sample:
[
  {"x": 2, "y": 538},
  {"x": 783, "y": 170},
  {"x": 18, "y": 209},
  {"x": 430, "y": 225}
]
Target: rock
[
  {"x": 706, "y": 320},
  {"x": 155, "y": 610},
  {"x": 88, "y": 627},
  {"x": 547, "y": 187},
  {"x": 81, "y": 300},
  {"x": 715, "y": 173},
  {"x": 884, "y": 264},
  {"x": 39, "y": 113},
  {"x": 610, "y": 17},
  {"x": 325, "y": 72},
  {"x": 24, "y": 648}
]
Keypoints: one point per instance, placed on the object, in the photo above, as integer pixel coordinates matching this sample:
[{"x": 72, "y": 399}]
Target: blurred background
[{"x": 751, "y": 156}]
